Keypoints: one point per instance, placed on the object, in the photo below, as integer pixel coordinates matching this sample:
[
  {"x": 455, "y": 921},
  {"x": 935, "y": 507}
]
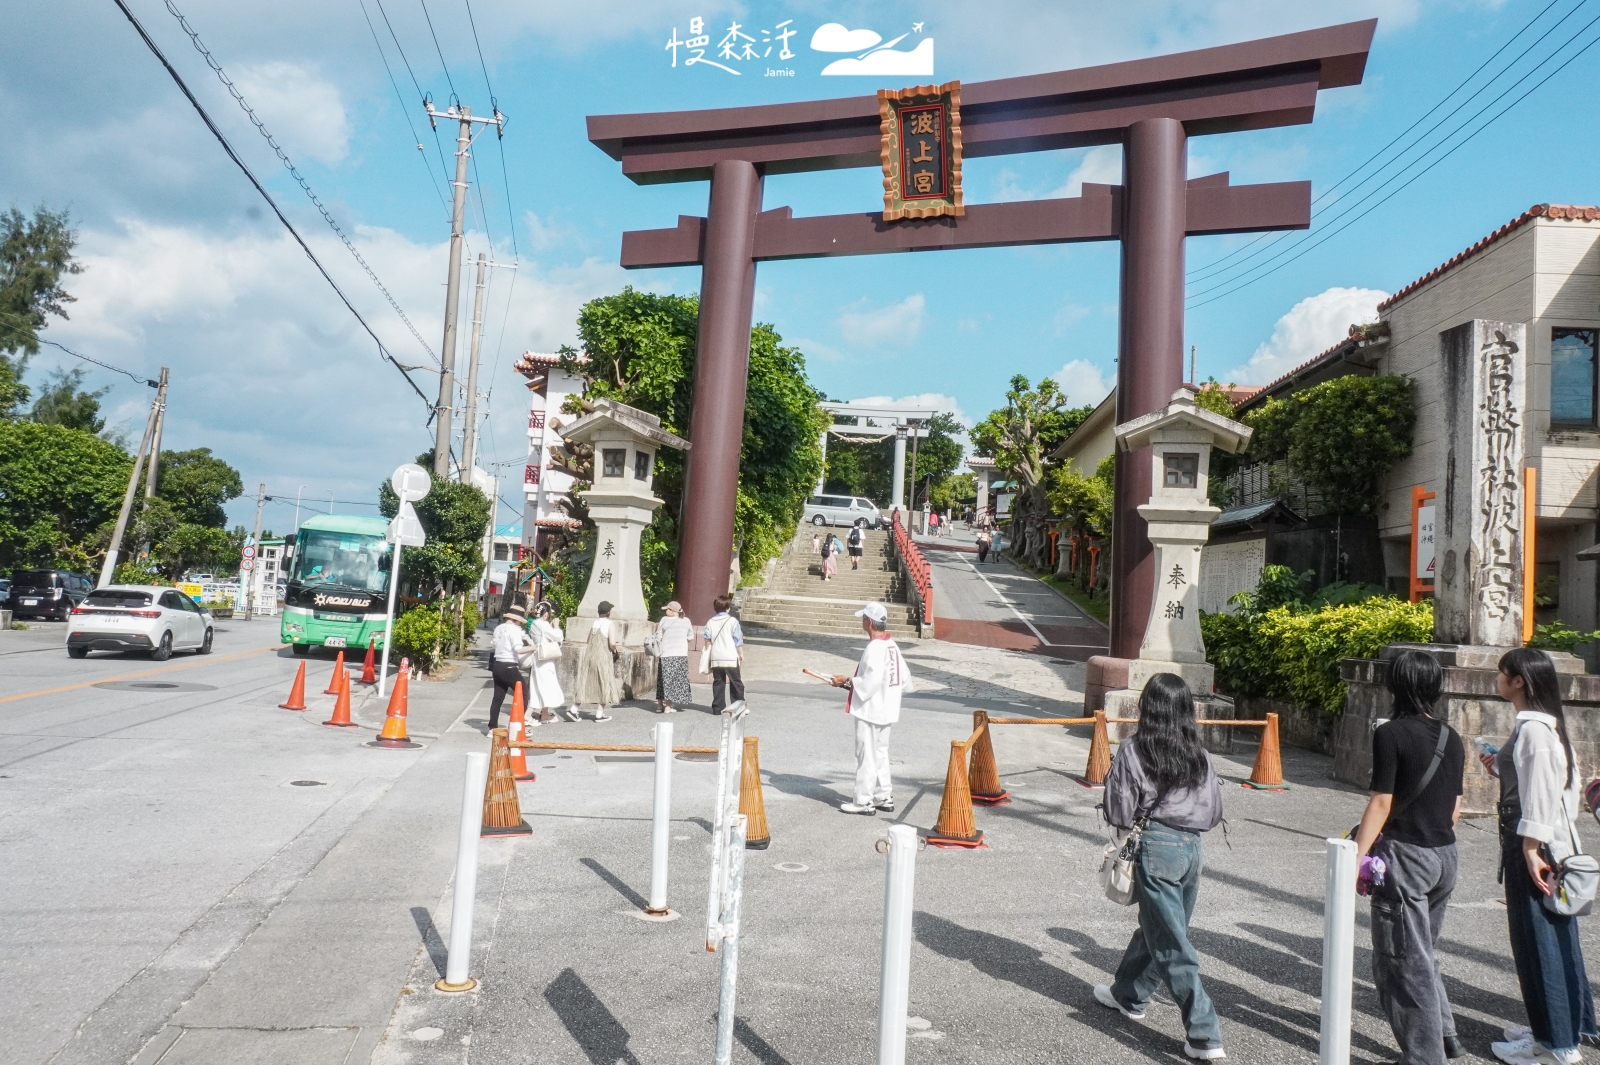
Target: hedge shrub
[{"x": 419, "y": 634}]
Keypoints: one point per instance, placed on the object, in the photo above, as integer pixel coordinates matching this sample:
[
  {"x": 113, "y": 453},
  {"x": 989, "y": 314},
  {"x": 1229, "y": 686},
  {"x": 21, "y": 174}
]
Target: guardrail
[{"x": 915, "y": 567}]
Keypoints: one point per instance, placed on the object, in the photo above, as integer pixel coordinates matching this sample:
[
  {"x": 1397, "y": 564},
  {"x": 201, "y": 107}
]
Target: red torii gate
[{"x": 1149, "y": 106}]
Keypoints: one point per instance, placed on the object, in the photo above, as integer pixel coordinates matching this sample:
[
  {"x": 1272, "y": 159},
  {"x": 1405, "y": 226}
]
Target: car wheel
[
  {"x": 164, "y": 651},
  {"x": 819, "y": 520},
  {"x": 205, "y": 645},
  {"x": 77, "y": 652},
  {"x": 302, "y": 649}
]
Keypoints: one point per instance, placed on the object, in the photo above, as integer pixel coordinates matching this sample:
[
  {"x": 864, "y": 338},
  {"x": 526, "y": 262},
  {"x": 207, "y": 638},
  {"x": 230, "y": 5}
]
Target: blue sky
[{"x": 186, "y": 268}]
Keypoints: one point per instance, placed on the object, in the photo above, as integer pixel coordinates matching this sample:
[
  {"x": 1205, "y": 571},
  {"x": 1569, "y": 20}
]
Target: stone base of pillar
[
  {"x": 1102, "y": 674},
  {"x": 1199, "y": 676},
  {"x": 1124, "y": 703}
]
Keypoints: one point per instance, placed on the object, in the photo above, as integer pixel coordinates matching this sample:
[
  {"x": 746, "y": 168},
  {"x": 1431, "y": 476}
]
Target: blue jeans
[
  {"x": 1549, "y": 959},
  {"x": 1167, "y": 878}
]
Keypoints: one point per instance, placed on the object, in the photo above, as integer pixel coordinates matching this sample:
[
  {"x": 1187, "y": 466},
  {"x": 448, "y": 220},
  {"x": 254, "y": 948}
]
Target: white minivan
[{"x": 843, "y": 510}]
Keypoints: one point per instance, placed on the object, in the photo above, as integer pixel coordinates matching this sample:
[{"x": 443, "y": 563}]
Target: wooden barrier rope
[
  {"x": 546, "y": 746},
  {"x": 1041, "y": 720}
]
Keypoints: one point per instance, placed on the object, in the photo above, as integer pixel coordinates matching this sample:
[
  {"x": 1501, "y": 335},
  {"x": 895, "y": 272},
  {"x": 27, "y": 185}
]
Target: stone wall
[{"x": 1311, "y": 728}]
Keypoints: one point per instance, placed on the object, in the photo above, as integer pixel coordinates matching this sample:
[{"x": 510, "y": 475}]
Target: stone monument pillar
[
  {"x": 620, "y": 502},
  {"x": 1179, "y": 437}
]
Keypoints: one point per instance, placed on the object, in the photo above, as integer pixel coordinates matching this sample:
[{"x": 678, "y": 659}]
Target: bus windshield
[{"x": 341, "y": 559}]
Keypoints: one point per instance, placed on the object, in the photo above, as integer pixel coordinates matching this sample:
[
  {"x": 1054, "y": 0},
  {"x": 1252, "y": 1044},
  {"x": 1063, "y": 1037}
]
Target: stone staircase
[{"x": 796, "y": 598}]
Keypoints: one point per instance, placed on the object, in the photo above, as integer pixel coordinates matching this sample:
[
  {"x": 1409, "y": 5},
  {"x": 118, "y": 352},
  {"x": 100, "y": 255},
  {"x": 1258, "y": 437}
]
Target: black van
[{"x": 49, "y": 593}]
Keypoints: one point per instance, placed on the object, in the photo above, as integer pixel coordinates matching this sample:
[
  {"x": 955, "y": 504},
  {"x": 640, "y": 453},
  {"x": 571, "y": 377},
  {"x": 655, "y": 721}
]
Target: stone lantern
[
  {"x": 625, "y": 441},
  {"x": 1180, "y": 438}
]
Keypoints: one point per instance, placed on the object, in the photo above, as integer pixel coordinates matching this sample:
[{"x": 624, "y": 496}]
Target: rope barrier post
[
  {"x": 894, "y": 987},
  {"x": 955, "y": 826},
  {"x": 660, "y": 826},
  {"x": 729, "y": 932},
  {"x": 1267, "y": 773},
  {"x": 466, "y": 883},
  {"x": 1094, "y": 773},
  {"x": 1338, "y": 951},
  {"x": 983, "y": 776}
]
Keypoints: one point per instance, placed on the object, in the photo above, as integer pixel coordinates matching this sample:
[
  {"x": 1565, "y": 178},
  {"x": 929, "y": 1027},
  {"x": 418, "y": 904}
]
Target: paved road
[{"x": 997, "y": 604}]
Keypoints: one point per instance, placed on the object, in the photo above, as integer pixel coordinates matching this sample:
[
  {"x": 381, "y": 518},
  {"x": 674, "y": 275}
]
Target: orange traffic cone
[
  {"x": 297, "y": 691},
  {"x": 502, "y": 810},
  {"x": 983, "y": 776},
  {"x": 518, "y": 731},
  {"x": 758, "y": 837},
  {"x": 338, "y": 671},
  {"x": 393, "y": 735},
  {"x": 1267, "y": 773},
  {"x": 341, "y": 707},
  {"x": 369, "y": 668},
  {"x": 955, "y": 827},
  {"x": 1094, "y": 774}
]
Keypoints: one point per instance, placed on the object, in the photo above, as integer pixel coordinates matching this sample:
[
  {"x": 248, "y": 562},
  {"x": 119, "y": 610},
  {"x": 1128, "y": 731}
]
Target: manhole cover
[
  {"x": 790, "y": 867},
  {"x": 624, "y": 758},
  {"x": 696, "y": 756},
  {"x": 154, "y": 686},
  {"x": 547, "y": 767},
  {"x": 563, "y": 756},
  {"x": 307, "y": 783},
  {"x": 151, "y": 684}
]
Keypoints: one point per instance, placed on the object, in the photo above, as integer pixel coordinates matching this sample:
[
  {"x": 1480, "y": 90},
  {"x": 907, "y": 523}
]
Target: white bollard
[
  {"x": 730, "y": 939},
  {"x": 661, "y": 824},
  {"x": 730, "y": 763},
  {"x": 1338, "y": 951},
  {"x": 894, "y": 986},
  {"x": 466, "y": 883}
]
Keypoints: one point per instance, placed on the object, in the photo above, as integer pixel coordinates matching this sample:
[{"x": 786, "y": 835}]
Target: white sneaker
[
  {"x": 601, "y": 715},
  {"x": 1517, "y": 1034},
  {"x": 1528, "y": 1052},
  {"x": 856, "y": 808},
  {"x": 1103, "y": 995},
  {"x": 1211, "y": 1053},
  {"x": 572, "y": 713}
]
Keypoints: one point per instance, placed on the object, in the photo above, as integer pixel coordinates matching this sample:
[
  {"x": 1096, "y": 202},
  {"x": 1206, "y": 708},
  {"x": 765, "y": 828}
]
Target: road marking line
[
  {"x": 1008, "y": 603},
  {"x": 206, "y": 661}
]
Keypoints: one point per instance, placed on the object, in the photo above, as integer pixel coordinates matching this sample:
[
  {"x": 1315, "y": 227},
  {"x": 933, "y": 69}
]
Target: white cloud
[
  {"x": 814, "y": 349},
  {"x": 896, "y": 325},
  {"x": 302, "y": 109},
  {"x": 1068, "y": 315},
  {"x": 833, "y": 37},
  {"x": 1100, "y": 166},
  {"x": 1312, "y": 326},
  {"x": 1083, "y": 382},
  {"x": 917, "y": 63},
  {"x": 921, "y": 403}
]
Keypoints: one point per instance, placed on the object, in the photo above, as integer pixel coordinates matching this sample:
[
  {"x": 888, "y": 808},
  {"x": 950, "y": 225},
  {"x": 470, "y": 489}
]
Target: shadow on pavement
[
  {"x": 595, "y": 1028},
  {"x": 438, "y": 953},
  {"x": 807, "y": 787},
  {"x": 622, "y": 888},
  {"x": 759, "y": 1048}
]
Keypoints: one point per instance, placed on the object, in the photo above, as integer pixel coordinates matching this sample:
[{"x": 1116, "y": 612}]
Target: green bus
[{"x": 339, "y": 584}]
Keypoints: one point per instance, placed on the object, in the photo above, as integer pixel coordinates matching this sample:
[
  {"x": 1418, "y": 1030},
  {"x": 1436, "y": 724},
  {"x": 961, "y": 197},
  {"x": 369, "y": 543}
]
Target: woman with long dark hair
[
  {"x": 1538, "y": 805},
  {"x": 1162, "y": 778},
  {"x": 1415, "y": 801}
]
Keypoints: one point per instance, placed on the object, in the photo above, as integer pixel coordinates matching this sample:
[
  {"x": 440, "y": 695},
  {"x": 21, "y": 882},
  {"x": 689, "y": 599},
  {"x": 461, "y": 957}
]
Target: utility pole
[
  {"x": 154, "y": 469},
  {"x": 469, "y": 430},
  {"x": 249, "y": 599},
  {"x": 1192, "y": 349},
  {"x": 452, "y": 293},
  {"x": 109, "y": 566}
]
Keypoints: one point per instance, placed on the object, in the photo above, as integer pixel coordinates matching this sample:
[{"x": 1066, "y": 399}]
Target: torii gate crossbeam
[{"x": 1149, "y": 106}]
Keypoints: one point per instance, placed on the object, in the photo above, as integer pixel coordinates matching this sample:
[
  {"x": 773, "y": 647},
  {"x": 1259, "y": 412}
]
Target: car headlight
[{"x": 293, "y": 628}]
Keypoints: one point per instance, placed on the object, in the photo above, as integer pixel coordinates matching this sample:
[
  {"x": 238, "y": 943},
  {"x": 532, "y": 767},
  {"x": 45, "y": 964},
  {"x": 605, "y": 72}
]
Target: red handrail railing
[{"x": 916, "y": 567}]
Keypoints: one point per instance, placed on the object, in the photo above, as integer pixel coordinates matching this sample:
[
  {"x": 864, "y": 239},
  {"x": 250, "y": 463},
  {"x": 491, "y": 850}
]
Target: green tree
[
  {"x": 198, "y": 485},
  {"x": 640, "y": 350},
  {"x": 33, "y": 257},
  {"x": 1213, "y": 397},
  {"x": 1019, "y": 436},
  {"x": 454, "y": 516},
  {"x": 63, "y": 402},
  {"x": 58, "y": 487}
]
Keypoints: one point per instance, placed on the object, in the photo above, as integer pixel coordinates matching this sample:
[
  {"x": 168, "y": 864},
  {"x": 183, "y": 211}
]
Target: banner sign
[
  {"x": 1424, "y": 561},
  {"x": 921, "y": 151}
]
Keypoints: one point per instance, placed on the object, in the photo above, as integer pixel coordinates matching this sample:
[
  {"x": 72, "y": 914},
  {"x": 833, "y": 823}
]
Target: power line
[
  {"x": 265, "y": 195},
  {"x": 511, "y": 218},
  {"x": 1459, "y": 145},
  {"x": 443, "y": 166},
  {"x": 404, "y": 107},
  {"x": 436, "y": 48},
  {"x": 284, "y": 158},
  {"x": 37, "y": 339}
]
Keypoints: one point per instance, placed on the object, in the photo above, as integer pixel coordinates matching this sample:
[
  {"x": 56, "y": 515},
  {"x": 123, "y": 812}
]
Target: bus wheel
[{"x": 302, "y": 649}]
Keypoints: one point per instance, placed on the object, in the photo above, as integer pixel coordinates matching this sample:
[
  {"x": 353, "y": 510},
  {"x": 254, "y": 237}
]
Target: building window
[
  {"x": 615, "y": 459},
  {"x": 1572, "y": 377},
  {"x": 641, "y": 465},
  {"x": 1183, "y": 469},
  {"x": 502, "y": 552}
]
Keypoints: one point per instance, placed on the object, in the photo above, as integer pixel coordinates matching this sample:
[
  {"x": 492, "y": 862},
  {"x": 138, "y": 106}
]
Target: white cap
[{"x": 875, "y": 611}]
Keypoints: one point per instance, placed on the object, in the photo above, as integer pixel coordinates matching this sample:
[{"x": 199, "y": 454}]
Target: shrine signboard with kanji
[{"x": 921, "y": 151}]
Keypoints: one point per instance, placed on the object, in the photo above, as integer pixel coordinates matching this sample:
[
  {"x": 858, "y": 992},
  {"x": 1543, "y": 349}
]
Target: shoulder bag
[
  {"x": 1117, "y": 861},
  {"x": 1577, "y": 877},
  {"x": 547, "y": 650}
]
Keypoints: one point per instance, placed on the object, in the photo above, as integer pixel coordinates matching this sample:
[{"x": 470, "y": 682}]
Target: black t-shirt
[{"x": 1402, "y": 749}]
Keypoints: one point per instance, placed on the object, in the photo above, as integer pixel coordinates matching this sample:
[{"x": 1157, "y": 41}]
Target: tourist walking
[
  {"x": 724, "y": 654},
  {"x": 511, "y": 642},
  {"x": 858, "y": 543},
  {"x": 983, "y": 544},
  {"x": 881, "y": 678},
  {"x": 544, "y": 689},
  {"x": 830, "y": 557},
  {"x": 597, "y": 669},
  {"x": 1538, "y": 805},
  {"x": 1415, "y": 803},
  {"x": 1163, "y": 780},
  {"x": 672, "y": 659}
]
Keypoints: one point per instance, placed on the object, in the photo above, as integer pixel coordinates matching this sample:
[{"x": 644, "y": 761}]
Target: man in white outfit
[{"x": 874, "y": 701}]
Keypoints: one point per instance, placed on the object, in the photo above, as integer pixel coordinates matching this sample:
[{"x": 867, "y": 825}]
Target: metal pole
[
  {"x": 388, "y": 621},
  {"x": 469, "y": 430},
  {"x": 730, "y": 941},
  {"x": 895, "y": 982},
  {"x": 452, "y": 302},
  {"x": 730, "y": 763},
  {"x": 466, "y": 883},
  {"x": 1338, "y": 951},
  {"x": 153, "y": 470},
  {"x": 109, "y": 566},
  {"x": 899, "y": 477},
  {"x": 661, "y": 824},
  {"x": 255, "y": 563},
  {"x": 297, "y": 508}
]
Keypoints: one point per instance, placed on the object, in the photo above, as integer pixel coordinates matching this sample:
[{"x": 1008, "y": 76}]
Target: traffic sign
[
  {"x": 247, "y": 565},
  {"x": 406, "y": 528},
  {"x": 411, "y": 482},
  {"x": 249, "y": 552}
]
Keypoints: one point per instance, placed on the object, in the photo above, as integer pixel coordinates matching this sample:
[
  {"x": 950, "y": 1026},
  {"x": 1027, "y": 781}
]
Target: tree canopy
[
  {"x": 197, "y": 485},
  {"x": 454, "y": 516},
  {"x": 63, "y": 402},
  {"x": 1020, "y": 435},
  {"x": 34, "y": 254},
  {"x": 58, "y": 486}
]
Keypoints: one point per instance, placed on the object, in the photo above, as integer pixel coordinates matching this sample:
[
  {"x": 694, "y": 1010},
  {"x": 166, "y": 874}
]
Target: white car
[{"x": 138, "y": 617}]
